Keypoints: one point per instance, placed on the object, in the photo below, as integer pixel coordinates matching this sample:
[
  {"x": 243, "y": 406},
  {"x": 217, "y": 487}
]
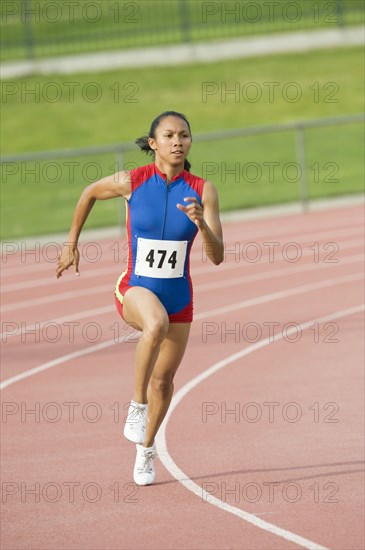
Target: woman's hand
[
  {"x": 69, "y": 256},
  {"x": 194, "y": 211}
]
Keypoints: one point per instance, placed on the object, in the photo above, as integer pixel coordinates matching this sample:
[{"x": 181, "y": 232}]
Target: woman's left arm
[{"x": 206, "y": 218}]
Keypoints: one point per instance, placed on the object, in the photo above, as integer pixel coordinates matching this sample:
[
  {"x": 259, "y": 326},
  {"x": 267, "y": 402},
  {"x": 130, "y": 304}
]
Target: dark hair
[{"x": 142, "y": 142}]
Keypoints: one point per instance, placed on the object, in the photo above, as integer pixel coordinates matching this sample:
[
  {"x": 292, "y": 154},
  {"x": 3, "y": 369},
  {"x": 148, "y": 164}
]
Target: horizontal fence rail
[
  {"x": 211, "y": 136},
  {"x": 32, "y": 29},
  {"x": 119, "y": 149}
]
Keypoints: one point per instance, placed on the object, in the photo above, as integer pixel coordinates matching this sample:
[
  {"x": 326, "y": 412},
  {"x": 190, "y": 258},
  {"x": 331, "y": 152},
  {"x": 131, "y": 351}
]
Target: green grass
[
  {"x": 54, "y": 28},
  {"x": 43, "y": 203},
  {"x": 33, "y": 121}
]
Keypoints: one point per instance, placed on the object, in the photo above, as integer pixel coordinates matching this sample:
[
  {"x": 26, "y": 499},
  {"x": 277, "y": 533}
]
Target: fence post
[
  {"x": 301, "y": 159},
  {"x": 119, "y": 160},
  {"x": 340, "y": 11},
  {"x": 28, "y": 33},
  {"x": 185, "y": 20}
]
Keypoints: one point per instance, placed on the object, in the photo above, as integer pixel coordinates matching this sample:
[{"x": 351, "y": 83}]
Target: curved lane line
[{"x": 182, "y": 478}]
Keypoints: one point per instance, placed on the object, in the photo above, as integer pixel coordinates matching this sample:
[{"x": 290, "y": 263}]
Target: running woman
[{"x": 166, "y": 208}]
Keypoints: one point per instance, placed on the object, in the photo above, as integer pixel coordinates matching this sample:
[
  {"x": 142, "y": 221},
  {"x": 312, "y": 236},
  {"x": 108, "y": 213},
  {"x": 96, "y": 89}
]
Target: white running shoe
[
  {"x": 144, "y": 471},
  {"x": 136, "y": 422}
]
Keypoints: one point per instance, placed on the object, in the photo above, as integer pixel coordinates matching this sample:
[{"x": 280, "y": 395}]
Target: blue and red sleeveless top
[{"x": 160, "y": 236}]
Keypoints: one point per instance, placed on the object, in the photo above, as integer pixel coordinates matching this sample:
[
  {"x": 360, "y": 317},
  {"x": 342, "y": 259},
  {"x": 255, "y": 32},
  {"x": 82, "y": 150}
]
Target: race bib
[{"x": 160, "y": 259}]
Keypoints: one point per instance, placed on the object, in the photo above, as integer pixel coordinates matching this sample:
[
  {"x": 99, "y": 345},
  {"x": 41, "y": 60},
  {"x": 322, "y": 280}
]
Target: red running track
[{"x": 263, "y": 445}]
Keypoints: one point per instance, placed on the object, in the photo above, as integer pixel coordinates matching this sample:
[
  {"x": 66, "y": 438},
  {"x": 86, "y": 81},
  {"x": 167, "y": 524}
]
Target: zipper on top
[{"x": 165, "y": 211}]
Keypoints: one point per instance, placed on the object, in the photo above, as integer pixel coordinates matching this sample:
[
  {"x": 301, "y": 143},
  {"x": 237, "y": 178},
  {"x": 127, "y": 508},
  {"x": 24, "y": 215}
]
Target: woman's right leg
[{"x": 144, "y": 311}]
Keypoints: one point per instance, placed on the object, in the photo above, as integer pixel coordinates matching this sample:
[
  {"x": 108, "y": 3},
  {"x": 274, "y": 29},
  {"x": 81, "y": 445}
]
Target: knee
[
  {"x": 163, "y": 386},
  {"x": 156, "y": 329}
]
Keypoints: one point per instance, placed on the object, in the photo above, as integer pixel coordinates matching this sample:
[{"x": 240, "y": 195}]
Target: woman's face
[{"x": 172, "y": 142}]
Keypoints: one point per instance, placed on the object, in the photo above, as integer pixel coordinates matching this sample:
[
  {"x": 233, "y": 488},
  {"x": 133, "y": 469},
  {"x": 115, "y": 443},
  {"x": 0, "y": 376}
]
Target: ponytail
[
  {"x": 143, "y": 144},
  {"x": 187, "y": 165}
]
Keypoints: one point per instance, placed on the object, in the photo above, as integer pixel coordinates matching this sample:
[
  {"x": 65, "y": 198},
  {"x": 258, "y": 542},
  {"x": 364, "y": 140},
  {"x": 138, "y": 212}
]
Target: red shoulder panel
[
  {"x": 140, "y": 175},
  {"x": 195, "y": 182}
]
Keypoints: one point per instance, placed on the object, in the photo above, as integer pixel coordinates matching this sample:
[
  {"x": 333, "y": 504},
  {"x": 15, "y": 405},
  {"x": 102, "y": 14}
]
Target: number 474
[{"x": 150, "y": 258}]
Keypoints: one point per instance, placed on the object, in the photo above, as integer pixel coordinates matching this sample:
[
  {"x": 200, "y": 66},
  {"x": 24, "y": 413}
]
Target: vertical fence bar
[
  {"x": 184, "y": 20},
  {"x": 341, "y": 14},
  {"x": 301, "y": 159},
  {"x": 28, "y": 32}
]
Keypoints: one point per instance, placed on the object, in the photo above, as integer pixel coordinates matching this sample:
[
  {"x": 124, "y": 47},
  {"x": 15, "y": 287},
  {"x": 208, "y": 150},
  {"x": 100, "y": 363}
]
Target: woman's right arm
[{"x": 116, "y": 185}]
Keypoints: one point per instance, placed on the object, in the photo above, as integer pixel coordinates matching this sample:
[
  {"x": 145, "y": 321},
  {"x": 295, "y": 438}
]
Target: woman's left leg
[{"x": 161, "y": 387}]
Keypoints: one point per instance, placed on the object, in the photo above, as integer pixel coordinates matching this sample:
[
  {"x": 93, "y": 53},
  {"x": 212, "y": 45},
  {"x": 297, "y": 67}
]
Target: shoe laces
[
  {"x": 146, "y": 461},
  {"x": 137, "y": 414}
]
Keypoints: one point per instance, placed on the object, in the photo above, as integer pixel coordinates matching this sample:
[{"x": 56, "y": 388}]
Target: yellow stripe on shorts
[{"x": 117, "y": 292}]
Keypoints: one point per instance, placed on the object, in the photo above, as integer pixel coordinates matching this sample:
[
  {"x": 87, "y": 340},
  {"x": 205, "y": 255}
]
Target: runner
[{"x": 166, "y": 208}]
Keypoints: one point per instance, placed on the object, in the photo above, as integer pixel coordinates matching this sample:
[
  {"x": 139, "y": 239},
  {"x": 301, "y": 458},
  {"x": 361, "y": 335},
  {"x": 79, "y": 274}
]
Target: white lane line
[
  {"x": 265, "y": 259},
  {"x": 58, "y": 297},
  {"x": 161, "y": 438},
  {"x": 45, "y": 264},
  {"x": 51, "y": 279},
  {"x": 108, "y": 253},
  {"x": 205, "y": 314},
  {"x": 12, "y": 328},
  {"x": 280, "y": 294},
  {"x": 293, "y": 270},
  {"x": 206, "y": 270},
  {"x": 63, "y": 359},
  {"x": 182, "y": 478}
]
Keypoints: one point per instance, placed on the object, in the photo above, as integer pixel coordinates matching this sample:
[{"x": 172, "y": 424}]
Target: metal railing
[
  {"x": 41, "y": 28},
  {"x": 119, "y": 150}
]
